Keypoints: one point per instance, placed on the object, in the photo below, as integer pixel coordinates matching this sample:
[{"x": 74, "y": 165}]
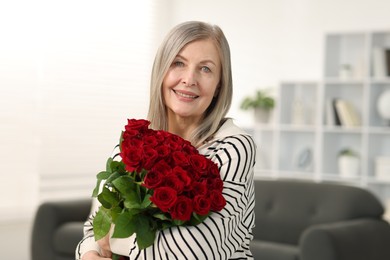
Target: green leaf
[
  {"x": 121, "y": 140},
  {"x": 131, "y": 202},
  {"x": 115, "y": 212},
  {"x": 103, "y": 175},
  {"x": 125, "y": 185},
  {"x": 112, "y": 177},
  {"x": 108, "y": 199},
  {"x": 119, "y": 167},
  {"x": 101, "y": 223},
  {"x": 145, "y": 234},
  {"x": 197, "y": 219},
  {"x": 146, "y": 202},
  {"x": 116, "y": 257},
  {"x": 100, "y": 177},
  {"x": 161, "y": 216},
  {"x": 178, "y": 222},
  {"x": 108, "y": 165},
  {"x": 125, "y": 225}
]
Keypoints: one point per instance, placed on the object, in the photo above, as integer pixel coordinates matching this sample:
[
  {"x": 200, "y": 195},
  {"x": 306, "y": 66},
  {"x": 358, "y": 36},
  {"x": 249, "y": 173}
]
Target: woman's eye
[
  {"x": 178, "y": 64},
  {"x": 206, "y": 69}
]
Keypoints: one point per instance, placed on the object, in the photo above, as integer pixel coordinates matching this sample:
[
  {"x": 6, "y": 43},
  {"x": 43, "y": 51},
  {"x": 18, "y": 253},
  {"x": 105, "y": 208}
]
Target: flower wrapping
[{"x": 161, "y": 181}]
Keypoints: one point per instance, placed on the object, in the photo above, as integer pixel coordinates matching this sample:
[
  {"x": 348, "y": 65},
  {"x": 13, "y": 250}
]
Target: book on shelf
[
  {"x": 388, "y": 62},
  {"x": 380, "y": 62},
  {"x": 347, "y": 113},
  {"x": 340, "y": 112}
]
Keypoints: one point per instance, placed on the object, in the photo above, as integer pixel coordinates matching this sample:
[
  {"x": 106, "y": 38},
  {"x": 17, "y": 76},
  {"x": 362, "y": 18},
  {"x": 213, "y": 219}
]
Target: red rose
[
  {"x": 188, "y": 148},
  {"x": 163, "y": 151},
  {"x": 150, "y": 140},
  {"x": 180, "y": 158},
  {"x": 215, "y": 184},
  {"x": 218, "y": 202},
  {"x": 131, "y": 157},
  {"x": 129, "y": 133},
  {"x": 213, "y": 170},
  {"x": 182, "y": 209},
  {"x": 162, "y": 167},
  {"x": 164, "y": 198},
  {"x": 198, "y": 162},
  {"x": 174, "y": 182},
  {"x": 153, "y": 179},
  {"x": 174, "y": 142},
  {"x": 202, "y": 205},
  {"x": 182, "y": 175},
  {"x": 199, "y": 188},
  {"x": 150, "y": 157},
  {"x": 131, "y": 142},
  {"x": 138, "y": 125}
]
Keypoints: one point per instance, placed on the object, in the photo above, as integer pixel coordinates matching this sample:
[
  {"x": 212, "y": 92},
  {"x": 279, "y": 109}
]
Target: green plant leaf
[
  {"x": 178, "y": 222},
  {"x": 146, "y": 202},
  {"x": 145, "y": 234},
  {"x": 115, "y": 212},
  {"x": 161, "y": 216},
  {"x": 125, "y": 185},
  {"x": 119, "y": 167},
  {"x": 103, "y": 175},
  {"x": 125, "y": 225},
  {"x": 112, "y": 177},
  {"x": 131, "y": 201},
  {"x": 101, "y": 223},
  {"x": 108, "y": 165},
  {"x": 197, "y": 219},
  {"x": 100, "y": 177},
  {"x": 260, "y": 100},
  {"x": 108, "y": 199}
]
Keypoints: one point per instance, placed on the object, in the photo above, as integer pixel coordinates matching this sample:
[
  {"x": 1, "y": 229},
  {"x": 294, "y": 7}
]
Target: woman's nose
[{"x": 189, "y": 78}]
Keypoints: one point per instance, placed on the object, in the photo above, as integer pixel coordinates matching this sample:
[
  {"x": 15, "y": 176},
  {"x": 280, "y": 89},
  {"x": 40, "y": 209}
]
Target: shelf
[
  {"x": 343, "y": 129},
  {"x": 304, "y": 141},
  {"x": 297, "y": 128},
  {"x": 340, "y": 81}
]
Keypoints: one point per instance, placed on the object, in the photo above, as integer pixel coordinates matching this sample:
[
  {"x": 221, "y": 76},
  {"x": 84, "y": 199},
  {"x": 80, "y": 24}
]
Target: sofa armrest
[
  {"x": 50, "y": 216},
  {"x": 358, "y": 239}
]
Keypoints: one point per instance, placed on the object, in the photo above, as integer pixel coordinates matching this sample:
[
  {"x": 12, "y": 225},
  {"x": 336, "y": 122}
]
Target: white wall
[
  {"x": 280, "y": 40},
  {"x": 71, "y": 73}
]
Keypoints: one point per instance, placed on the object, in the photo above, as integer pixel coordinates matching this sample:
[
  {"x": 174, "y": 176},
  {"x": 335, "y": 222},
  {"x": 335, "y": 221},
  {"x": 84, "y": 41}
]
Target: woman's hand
[
  {"x": 105, "y": 251},
  {"x": 104, "y": 244},
  {"x": 93, "y": 255}
]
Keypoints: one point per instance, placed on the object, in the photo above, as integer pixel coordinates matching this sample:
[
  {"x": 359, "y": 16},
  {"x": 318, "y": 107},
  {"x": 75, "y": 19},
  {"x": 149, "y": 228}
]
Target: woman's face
[{"x": 192, "y": 80}]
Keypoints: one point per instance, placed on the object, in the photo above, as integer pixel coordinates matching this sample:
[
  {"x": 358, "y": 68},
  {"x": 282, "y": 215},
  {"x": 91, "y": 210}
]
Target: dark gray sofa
[
  {"x": 57, "y": 229},
  {"x": 295, "y": 220},
  {"x": 318, "y": 221}
]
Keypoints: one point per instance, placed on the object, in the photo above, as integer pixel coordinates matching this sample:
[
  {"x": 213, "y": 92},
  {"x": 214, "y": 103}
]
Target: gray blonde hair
[{"x": 177, "y": 38}]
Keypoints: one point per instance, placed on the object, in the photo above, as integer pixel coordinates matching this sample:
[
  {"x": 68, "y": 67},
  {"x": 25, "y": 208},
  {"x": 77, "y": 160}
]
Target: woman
[{"x": 191, "y": 93}]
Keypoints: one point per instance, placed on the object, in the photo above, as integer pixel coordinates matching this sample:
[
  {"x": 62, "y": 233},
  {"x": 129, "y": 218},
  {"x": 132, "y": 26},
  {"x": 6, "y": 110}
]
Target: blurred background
[{"x": 72, "y": 72}]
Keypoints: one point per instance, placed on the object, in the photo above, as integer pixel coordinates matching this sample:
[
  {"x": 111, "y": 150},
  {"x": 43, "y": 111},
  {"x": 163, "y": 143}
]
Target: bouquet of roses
[{"x": 160, "y": 182}]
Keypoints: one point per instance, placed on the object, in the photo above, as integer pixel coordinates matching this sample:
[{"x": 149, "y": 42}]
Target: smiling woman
[{"x": 191, "y": 92}]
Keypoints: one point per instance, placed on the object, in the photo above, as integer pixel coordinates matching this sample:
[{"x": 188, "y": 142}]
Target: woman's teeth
[{"x": 185, "y": 95}]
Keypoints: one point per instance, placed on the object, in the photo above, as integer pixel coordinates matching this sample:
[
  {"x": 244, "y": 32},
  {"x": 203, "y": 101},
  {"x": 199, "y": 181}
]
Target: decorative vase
[
  {"x": 262, "y": 115},
  {"x": 383, "y": 105},
  {"x": 348, "y": 166}
]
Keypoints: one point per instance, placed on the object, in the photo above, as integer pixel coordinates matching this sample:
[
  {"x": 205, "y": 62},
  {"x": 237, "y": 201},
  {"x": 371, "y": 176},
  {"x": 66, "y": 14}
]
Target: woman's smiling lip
[{"x": 185, "y": 94}]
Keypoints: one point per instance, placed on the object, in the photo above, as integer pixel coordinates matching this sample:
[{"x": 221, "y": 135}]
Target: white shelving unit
[{"x": 305, "y": 145}]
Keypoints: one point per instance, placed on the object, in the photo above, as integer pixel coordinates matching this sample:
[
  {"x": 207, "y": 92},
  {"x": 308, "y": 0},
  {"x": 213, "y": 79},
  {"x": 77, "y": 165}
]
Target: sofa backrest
[{"x": 284, "y": 208}]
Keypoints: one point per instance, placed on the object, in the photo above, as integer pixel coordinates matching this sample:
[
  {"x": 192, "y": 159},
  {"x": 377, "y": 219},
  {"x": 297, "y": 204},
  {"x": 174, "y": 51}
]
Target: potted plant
[
  {"x": 262, "y": 103},
  {"x": 348, "y": 162}
]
